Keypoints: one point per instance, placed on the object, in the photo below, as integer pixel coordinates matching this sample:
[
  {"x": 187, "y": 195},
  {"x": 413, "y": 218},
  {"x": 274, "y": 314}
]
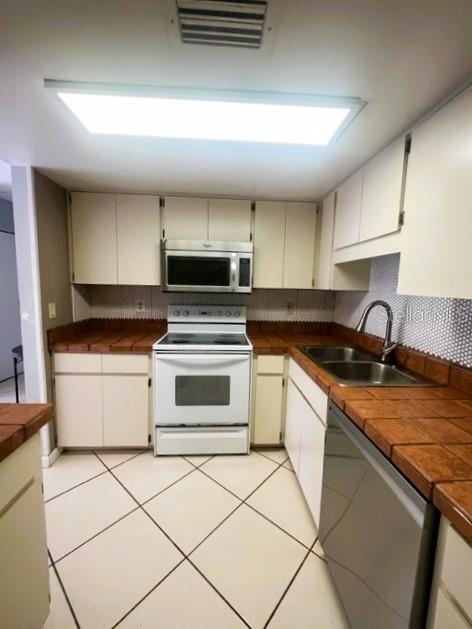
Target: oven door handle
[{"x": 204, "y": 360}]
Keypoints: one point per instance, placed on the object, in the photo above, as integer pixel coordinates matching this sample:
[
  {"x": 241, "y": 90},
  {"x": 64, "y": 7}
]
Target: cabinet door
[
  {"x": 325, "y": 260},
  {"x": 186, "y": 218},
  {"x": 310, "y": 471},
  {"x": 138, "y": 239},
  {"x": 295, "y": 403},
  {"x": 79, "y": 410},
  {"x": 382, "y": 192},
  {"x": 94, "y": 238},
  {"x": 229, "y": 219},
  {"x": 24, "y": 578},
  {"x": 269, "y": 241},
  {"x": 268, "y": 410},
  {"x": 436, "y": 254},
  {"x": 348, "y": 211},
  {"x": 299, "y": 253},
  {"x": 125, "y": 411}
]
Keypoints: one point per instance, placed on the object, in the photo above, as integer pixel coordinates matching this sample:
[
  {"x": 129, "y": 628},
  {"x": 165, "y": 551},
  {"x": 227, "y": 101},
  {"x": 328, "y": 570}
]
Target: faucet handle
[{"x": 387, "y": 350}]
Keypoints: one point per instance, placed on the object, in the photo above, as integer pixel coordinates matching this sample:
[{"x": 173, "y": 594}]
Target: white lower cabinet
[
  {"x": 79, "y": 410},
  {"x": 305, "y": 437},
  {"x": 125, "y": 410},
  {"x": 24, "y": 577},
  {"x": 268, "y": 400},
  {"x": 107, "y": 408},
  {"x": 450, "y": 604}
]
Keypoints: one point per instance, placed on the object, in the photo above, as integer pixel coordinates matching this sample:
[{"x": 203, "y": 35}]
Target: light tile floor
[
  {"x": 183, "y": 543},
  {"x": 7, "y": 390}
]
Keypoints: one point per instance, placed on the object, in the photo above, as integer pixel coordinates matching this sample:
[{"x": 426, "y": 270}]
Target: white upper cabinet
[
  {"x": 299, "y": 251},
  {"x": 185, "y": 218},
  {"x": 436, "y": 253},
  {"x": 382, "y": 192},
  {"x": 348, "y": 211},
  {"x": 94, "y": 238},
  {"x": 229, "y": 219},
  {"x": 269, "y": 240},
  {"x": 325, "y": 253},
  {"x": 138, "y": 239},
  {"x": 284, "y": 244}
]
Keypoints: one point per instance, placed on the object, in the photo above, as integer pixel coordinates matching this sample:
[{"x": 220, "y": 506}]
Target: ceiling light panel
[
  {"x": 207, "y": 115},
  {"x": 238, "y": 23}
]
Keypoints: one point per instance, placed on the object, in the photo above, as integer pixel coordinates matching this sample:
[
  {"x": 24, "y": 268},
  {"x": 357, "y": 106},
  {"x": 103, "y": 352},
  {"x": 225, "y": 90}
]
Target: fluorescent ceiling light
[{"x": 205, "y": 115}]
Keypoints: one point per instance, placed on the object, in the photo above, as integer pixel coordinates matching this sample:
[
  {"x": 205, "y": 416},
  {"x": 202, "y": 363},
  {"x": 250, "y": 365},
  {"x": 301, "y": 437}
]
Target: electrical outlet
[
  {"x": 140, "y": 306},
  {"x": 290, "y": 307},
  {"x": 52, "y": 310}
]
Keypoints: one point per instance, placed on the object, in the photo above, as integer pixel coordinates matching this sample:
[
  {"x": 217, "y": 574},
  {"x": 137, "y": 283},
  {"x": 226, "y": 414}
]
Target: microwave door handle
[{"x": 233, "y": 272}]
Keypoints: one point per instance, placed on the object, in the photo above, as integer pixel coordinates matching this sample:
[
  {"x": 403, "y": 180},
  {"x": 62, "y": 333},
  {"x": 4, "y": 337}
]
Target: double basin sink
[{"x": 351, "y": 367}]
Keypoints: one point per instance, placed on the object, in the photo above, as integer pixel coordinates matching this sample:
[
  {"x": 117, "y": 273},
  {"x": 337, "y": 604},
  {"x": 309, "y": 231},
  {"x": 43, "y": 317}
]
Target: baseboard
[{"x": 51, "y": 458}]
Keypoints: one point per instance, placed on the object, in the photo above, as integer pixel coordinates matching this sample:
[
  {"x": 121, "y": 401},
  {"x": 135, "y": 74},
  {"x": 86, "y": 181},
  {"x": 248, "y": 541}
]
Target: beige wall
[{"x": 53, "y": 252}]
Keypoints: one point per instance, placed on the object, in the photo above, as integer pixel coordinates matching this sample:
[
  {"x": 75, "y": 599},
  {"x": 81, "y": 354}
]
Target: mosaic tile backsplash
[
  {"x": 441, "y": 327},
  {"x": 145, "y": 302}
]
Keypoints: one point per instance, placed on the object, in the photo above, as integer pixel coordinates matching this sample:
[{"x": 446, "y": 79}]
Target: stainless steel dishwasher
[{"x": 378, "y": 533}]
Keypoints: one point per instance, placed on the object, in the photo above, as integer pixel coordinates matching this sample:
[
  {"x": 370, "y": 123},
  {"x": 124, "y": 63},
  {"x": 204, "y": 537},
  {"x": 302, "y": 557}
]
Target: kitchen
[{"x": 246, "y": 346}]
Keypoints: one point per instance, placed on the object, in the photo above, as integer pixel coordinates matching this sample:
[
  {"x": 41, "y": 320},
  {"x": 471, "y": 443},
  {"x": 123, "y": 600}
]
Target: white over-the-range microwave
[{"x": 206, "y": 266}]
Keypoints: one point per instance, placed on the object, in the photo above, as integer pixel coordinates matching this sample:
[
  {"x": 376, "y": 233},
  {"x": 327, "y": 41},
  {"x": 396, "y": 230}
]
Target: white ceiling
[{"x": 402, "y": 57}]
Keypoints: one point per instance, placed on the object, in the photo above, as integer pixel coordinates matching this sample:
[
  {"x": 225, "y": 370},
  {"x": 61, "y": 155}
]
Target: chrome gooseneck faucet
[{"x": 388, "y": 346}]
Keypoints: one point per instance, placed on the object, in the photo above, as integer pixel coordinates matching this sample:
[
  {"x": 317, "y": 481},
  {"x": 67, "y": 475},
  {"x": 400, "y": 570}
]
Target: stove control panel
[{"x": 206, "y": 314}]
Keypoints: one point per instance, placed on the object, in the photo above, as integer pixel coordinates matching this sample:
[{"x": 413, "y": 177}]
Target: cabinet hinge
[
  {"x": 73, "y": 276},
  {"x": 162, "y": 202},
  {"x": 313, "y": 283},
  {"x": 250, "y": 236},
  {"x": 253, "y": 206},
  {"x": 149, "y": 438},
  {"x": 280, "y": 437},
  {"x": 163, "y": 233},
  {"x": 69, "y": 197},
  {"x": 283, "y": 382},
  {"x": 401, "y": 219},
  {"x": 149, "y": 382}
]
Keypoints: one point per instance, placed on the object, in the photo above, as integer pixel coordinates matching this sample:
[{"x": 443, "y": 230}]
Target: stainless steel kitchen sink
[
  {"x": 351, "y": 367},
  {"x": 324, "y": 354},
  {"x": 369, "y": 373}
]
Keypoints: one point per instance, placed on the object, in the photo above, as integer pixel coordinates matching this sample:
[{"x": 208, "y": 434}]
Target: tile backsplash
[
  {"x": 147, "y": 302},
  {"x": 438, "y": 326}
]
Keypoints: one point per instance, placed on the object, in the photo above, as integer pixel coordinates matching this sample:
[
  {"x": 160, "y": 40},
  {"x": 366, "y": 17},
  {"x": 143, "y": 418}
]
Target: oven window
[
  {"x": 198, "y": 271},
  {"x": 202, "y": 390}
]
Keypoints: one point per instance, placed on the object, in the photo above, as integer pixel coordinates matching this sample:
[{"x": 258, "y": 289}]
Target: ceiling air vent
[{"x": 237, "y": 23}]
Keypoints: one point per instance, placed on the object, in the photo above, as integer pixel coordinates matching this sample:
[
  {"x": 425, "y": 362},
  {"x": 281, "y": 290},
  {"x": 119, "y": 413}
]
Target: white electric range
[{"x": 202, "y": 382}]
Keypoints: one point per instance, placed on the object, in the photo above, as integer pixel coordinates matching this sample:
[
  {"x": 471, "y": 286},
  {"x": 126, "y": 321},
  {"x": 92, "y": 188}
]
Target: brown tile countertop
[
  {"x": 425, "y": 431},
  {"x": 19, "y": 422}
]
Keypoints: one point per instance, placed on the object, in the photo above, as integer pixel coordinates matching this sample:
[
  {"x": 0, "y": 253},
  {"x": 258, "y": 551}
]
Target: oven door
[
  {"x": 206, "y": 271},
  {"x": 201, "y": 389}
]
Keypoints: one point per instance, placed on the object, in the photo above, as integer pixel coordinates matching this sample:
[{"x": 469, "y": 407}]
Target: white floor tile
[
  {"x": 250, "y": 562},
  {"x": 312, "y": 601},
  {"x": 240, "y": 474},
  {"x": 108, "y": 575},
  {"x": 112, "y": 458},
  {"x": 191, "y": 509},
  {"x": 278, "y": 455},
  {"x": 60, "y": 616},
  {"x": 82, "y": 512},
  {"x": 183, "y": 601},
  {"x": 70, "y": 470},
  {"x": 146, "y": 475},
  {"x": 281, "y": 500},
  {"x": 288, "y": 465}
]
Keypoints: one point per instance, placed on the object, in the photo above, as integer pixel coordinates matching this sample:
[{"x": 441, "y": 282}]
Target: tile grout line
[
  {"x": 66, "y": 491},
  {"x": 261, "y": 452},
  {"x": 289, "y": 585},
  {"x": 66, "y": 596},
  {"x": 185, "y": 557}
]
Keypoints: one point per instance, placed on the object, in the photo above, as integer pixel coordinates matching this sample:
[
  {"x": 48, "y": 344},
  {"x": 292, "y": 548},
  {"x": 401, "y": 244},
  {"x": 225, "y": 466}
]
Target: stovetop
[{"x": 203, "y": 338}]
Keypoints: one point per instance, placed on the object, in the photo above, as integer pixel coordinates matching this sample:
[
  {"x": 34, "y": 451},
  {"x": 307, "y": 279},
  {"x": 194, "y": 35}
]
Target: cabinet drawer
[
  {"x": 312, "y": 392},
  {"x": 19, "y": 468},
  {"x": 270, "y": 364},
  {"x": 125, "y": 363},
  {"x": 457, "y": 569},
  {"x": 447, "y": 615},
  {"x": 77, "y": 363}
]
